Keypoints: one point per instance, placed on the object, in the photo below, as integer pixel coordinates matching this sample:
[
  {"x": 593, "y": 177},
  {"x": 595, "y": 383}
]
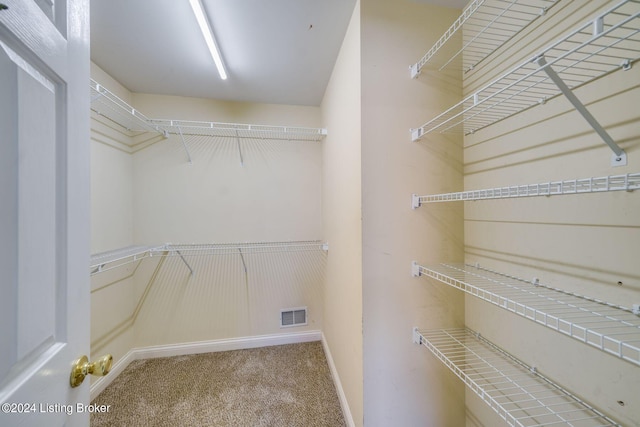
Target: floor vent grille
[{"x": 293, "y": 317}]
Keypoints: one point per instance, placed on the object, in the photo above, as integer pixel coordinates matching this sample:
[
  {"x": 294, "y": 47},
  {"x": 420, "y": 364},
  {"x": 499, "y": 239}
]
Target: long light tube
[{"x": 198, "y": 10}]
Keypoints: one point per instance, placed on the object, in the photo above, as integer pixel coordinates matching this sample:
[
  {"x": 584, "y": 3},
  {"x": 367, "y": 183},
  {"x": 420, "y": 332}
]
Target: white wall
[
  {"x": 111, "y": 178},
  {"x": 275, "y": 196},
  {"x": 112, "y": 293},
  {"x": 582, "y": 243},
  {"x": 404, "y": 384},
  {"x": 341, "y": 218},
  {"x": 145, "y": 192}
]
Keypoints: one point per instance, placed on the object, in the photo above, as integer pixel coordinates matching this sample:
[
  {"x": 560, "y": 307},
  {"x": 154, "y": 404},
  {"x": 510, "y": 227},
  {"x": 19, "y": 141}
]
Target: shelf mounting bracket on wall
[
  {"x": 184, "y": 144},
  {"x": 619, "y": 157},
  {"x": 239, "y": 150},
  {"x": 244, "y": 266},
  {"x": 99, "y": 93},
  {"x": 185, "y": 262}
]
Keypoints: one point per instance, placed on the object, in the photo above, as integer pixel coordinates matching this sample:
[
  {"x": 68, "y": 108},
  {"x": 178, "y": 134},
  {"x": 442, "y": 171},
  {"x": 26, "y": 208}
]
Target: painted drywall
[
  {"x": 111, "y": 198},
  {"x": 403, "y": 383},
  {"x": 341, "y": 219},
  {"x": 113, "y": 305},
  {"x": 111, "y": 178},
  {"x": 220, "y": 300},
  {"x": 275, "y": 196},
  {"x": 585, "y": 244},
  {"x": 112, "y": 292},
  {"x": 146, "y": 192}
]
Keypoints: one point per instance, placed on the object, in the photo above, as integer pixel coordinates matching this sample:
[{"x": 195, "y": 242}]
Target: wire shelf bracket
[
  {"x": 185, "y": 262},
  {"x": 608, "y": 327},
  {"x": 184, "y": 144},
  {"x": 601, "y": 46},
  {"x": 239, "y": 148},
  {"x": 627, "y": 182},
  {"x": 517, "y": 392},
  {"x": 619, "y": 157}
]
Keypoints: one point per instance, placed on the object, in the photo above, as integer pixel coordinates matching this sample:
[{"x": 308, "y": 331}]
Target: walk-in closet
[
  {"x": 444, "y": 215},
  {"x": 457, "y": 220}
]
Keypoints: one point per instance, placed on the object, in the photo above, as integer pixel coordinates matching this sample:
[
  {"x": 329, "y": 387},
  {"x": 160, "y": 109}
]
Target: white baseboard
[
  {"x": 201, "y": 347},
  {"x": 344, "y": 404},
  {"x": 101, "y": 383}
]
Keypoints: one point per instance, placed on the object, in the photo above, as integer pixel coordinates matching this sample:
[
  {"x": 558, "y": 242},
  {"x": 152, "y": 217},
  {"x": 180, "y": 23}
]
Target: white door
[{"x": 44, "y": 210}]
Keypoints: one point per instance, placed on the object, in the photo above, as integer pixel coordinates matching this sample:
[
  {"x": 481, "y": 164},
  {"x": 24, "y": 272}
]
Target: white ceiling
[{"x": 275, "y": 51}]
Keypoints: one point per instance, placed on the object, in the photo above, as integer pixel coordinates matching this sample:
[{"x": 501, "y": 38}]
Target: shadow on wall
[{"x": 228, "y": 295}]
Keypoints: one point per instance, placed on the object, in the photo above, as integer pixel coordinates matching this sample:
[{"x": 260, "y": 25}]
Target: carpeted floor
[{"x": 286, "y": 385}]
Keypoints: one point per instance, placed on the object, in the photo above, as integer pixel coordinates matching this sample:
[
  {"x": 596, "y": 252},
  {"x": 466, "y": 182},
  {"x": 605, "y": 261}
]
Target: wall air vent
[{"x": 293, "y": 317}]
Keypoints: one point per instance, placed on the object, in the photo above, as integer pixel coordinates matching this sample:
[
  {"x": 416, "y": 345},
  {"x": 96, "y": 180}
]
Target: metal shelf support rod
[
  {"x": 184, "y": 144},
  {"x": 573, "y": 99},
  {"x": 185, "y": 262},
  {"x": 239, "y": 150}
]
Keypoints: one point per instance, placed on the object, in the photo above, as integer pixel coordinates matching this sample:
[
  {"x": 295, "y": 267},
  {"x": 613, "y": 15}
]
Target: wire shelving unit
[
  {"x": 105, "y": 261},
  {"x": 247, "y": 248},
  {"x": 485, "y": 26},
  {"x": 109, "y": 260},
  {"x": 107, "y": 104},
  {"x": 626, "y": 182},
  {"x": 611, "y": 328},
  {"x": 516, "y": 392},
  {"x": 239, "y": 130},
  {"x": 607, "y": 43}
]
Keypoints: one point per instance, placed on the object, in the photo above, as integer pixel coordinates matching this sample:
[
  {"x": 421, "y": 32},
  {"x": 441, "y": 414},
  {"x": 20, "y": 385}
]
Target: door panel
[
  {"x": 44, "y": 211},
  {"x": 37, "y": 284}
]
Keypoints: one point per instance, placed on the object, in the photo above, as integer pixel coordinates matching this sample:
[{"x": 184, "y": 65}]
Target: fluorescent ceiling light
[{"x": 198, "y": 10}]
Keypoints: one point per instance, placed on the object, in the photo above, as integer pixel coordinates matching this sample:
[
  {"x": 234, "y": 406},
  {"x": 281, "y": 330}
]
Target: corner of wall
[{"x": 341, "y": 220}]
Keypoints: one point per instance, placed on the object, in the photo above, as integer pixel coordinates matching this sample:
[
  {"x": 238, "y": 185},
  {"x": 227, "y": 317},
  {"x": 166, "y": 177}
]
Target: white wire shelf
[
  {"x": 487, "y": 25},
  {"x": 607, "y": 43},
  {"x": 109, "y": 260},
  {"x": 246, "y": 248},
  {"x": 239, "y": 130},
  {"x": 611, "y": 328},
  {"x": 107, "y": 104},
  {"x": 626, "y": 182},
  {"x": 516, "y": 392},
  {"x": 120, "y": 257}
]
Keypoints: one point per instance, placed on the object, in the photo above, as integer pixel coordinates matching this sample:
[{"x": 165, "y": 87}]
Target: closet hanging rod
[
  {"x": 485, "y": 26},
  {"x": 627, "y": 182},
  {"x": 607, "y": 43},
  {"x": 608, "y": 327},
  {"x": 518, "y": 393}
]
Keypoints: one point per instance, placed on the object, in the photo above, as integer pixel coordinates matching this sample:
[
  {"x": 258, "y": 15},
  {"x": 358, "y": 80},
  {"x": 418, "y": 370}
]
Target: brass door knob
[{"x": 81, "y": 368}]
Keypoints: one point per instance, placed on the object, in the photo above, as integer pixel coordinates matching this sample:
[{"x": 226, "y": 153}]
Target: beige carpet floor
[{"x": 286, "y": 385}]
